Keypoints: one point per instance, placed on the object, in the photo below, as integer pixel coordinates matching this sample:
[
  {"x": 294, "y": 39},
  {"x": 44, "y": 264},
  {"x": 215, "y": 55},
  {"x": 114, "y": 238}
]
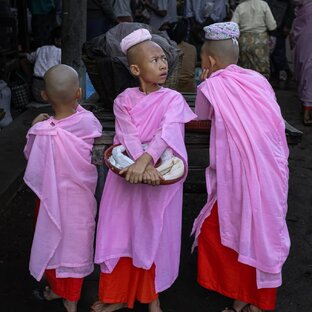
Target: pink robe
[
  {"x": 248, "y": 172},
  {"x": 302, "y": 37},
  {"x": 60, "y": 172},
  {"x": 142, "y": 221}
]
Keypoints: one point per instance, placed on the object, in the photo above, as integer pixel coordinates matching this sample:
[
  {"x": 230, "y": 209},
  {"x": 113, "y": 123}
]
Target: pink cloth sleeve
[
  {"x": 177, "y": 114},
  {"x": 126, "y": 131},
  {"x": 29, "y": 144},
  {"x": 203, "y": 108},
  {"x": 157, "y": 146}
]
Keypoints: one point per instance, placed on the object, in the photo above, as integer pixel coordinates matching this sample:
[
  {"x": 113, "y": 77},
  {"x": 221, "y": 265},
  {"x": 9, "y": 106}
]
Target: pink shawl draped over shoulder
[
  {"x": 60, "y": 172},
  {"x": 248, "y": 172},
  {"x": 136, "y": 220}
]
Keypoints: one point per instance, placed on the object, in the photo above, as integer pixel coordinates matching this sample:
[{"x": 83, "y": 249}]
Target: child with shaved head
[
  {"x": 241, "y": 232},
  {"x": 139, "y": 226},
  {"x": 60, "y": 172}
]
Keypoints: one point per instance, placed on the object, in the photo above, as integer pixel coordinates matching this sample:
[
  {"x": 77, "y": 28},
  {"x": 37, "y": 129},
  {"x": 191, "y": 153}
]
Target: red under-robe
[
  {"x": 127, "y": 283},
  {"x": 220, "y": 271}
]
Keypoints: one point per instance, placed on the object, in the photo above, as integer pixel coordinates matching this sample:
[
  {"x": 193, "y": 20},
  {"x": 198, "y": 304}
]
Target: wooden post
[
  {"x": 23, "y": 24},
  {"x": 74, "y": 27}
]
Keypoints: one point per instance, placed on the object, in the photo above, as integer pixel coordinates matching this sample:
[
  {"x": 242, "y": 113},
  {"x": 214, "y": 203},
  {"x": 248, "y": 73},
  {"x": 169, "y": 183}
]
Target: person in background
[
  {"x": 201, "y": 13},
  {"x": 122, "y": 10},
  {"x": 100, "y": 17},
  {"x": 205, "y": 11},
  {"x": 139, "y": 12},
  {"x": 283, "y": 12},
  {"x": 43, "y": 20},
  {"x": 161, "y": 12},
  {"x": 255, "y": 19},
  {"x": 302, "y": 41},
  {"x": 187, "y": 72},
  {"x": 43, "y": 59}
]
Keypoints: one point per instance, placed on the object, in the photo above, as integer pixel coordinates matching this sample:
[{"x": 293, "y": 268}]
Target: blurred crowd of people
[{"x": 266, "y": 27}]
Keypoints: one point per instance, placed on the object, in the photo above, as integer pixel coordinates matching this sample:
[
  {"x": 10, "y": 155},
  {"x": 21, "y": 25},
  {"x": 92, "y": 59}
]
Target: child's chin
[{"x": 162, "y": 81}]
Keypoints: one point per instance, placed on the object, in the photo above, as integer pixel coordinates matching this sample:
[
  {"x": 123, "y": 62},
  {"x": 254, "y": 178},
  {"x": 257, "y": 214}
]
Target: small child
[
  {"x": 43, "y": 59},
  {"x": 60, "y": 172},
  {"x": 139, "y": 226},
  {"x": 242, "y": 234}
]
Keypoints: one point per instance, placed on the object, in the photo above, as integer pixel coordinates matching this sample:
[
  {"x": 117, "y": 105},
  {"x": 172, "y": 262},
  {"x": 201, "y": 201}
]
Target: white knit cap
[{"x": 136, "y": 37}]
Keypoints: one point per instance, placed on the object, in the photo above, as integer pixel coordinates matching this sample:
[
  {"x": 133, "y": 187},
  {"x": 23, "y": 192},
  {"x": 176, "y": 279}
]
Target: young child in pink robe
[
  {"x": 139, "y": 226},
  {"x": 60, "y": 172},
  {"x": 241, "y": 232}
]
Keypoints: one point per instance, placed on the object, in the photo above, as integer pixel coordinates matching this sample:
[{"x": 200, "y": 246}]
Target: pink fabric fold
[
  {"x": 60, "y": 172},
  {"x": 141, "y": 221},
  {"x": 248, "y": 172}
]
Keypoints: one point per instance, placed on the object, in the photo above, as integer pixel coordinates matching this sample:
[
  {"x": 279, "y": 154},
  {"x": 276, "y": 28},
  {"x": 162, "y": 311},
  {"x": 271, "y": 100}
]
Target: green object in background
[{"x": 41, "y": 7}]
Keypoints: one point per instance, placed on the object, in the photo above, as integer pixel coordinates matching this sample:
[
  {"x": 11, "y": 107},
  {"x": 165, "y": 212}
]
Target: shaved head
[
  {"x": 225, "y": 52},
  {"x": 61, "y": 84},
  {"x": 136, "y": 53}
]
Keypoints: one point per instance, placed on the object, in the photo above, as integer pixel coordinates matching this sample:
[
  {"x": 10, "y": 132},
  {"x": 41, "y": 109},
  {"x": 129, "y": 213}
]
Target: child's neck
[
  {"x": 148, "y": 87},
  {"x": 62, "y": 111},
  {"x": 222, "y": 66}
]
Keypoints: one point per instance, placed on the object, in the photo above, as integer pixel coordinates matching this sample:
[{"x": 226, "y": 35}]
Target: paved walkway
[{"x": 12, "y": 162}]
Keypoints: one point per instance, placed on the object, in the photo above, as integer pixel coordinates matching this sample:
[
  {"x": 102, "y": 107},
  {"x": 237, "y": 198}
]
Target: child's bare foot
[
  {"x": 307, "y": 118},
  {"x": 154, "y": 306},
  {"x": 70, "y": 306},
  {"x": 251, "y": 308},
  {"x": 238, "y": 306},
  {"x": 49, "y": 294},
  {"x": 99, "y": 306}
]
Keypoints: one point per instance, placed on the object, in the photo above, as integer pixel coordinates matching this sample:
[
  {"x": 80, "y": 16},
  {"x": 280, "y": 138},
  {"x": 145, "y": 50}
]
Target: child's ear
[
  {"x": 78, "y": 93},
  {"x": 44, "y": 95},
  {"x": 135, "y": 70}
]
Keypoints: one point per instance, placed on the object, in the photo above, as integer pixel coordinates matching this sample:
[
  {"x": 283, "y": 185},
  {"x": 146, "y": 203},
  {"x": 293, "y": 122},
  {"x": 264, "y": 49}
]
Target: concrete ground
[{"x": 19, "y": 292}]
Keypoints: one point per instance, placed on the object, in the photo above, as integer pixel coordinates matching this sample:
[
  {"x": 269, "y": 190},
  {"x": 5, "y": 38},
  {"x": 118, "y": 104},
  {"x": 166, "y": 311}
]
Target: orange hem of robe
[
  {"x": 220, "y": 271},
  {"x": 127, "y": 283},
  {"x": 67, "y": 288}
]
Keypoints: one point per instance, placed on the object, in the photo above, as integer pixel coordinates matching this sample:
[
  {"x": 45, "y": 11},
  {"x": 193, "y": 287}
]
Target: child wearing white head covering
[
  {"x": 139, "y": 227},
  {"x": 241, "y": 232}
]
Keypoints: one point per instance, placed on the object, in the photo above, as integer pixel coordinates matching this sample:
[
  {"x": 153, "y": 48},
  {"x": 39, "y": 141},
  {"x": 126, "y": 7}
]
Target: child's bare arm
[{"x": 39, "y": 118}]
